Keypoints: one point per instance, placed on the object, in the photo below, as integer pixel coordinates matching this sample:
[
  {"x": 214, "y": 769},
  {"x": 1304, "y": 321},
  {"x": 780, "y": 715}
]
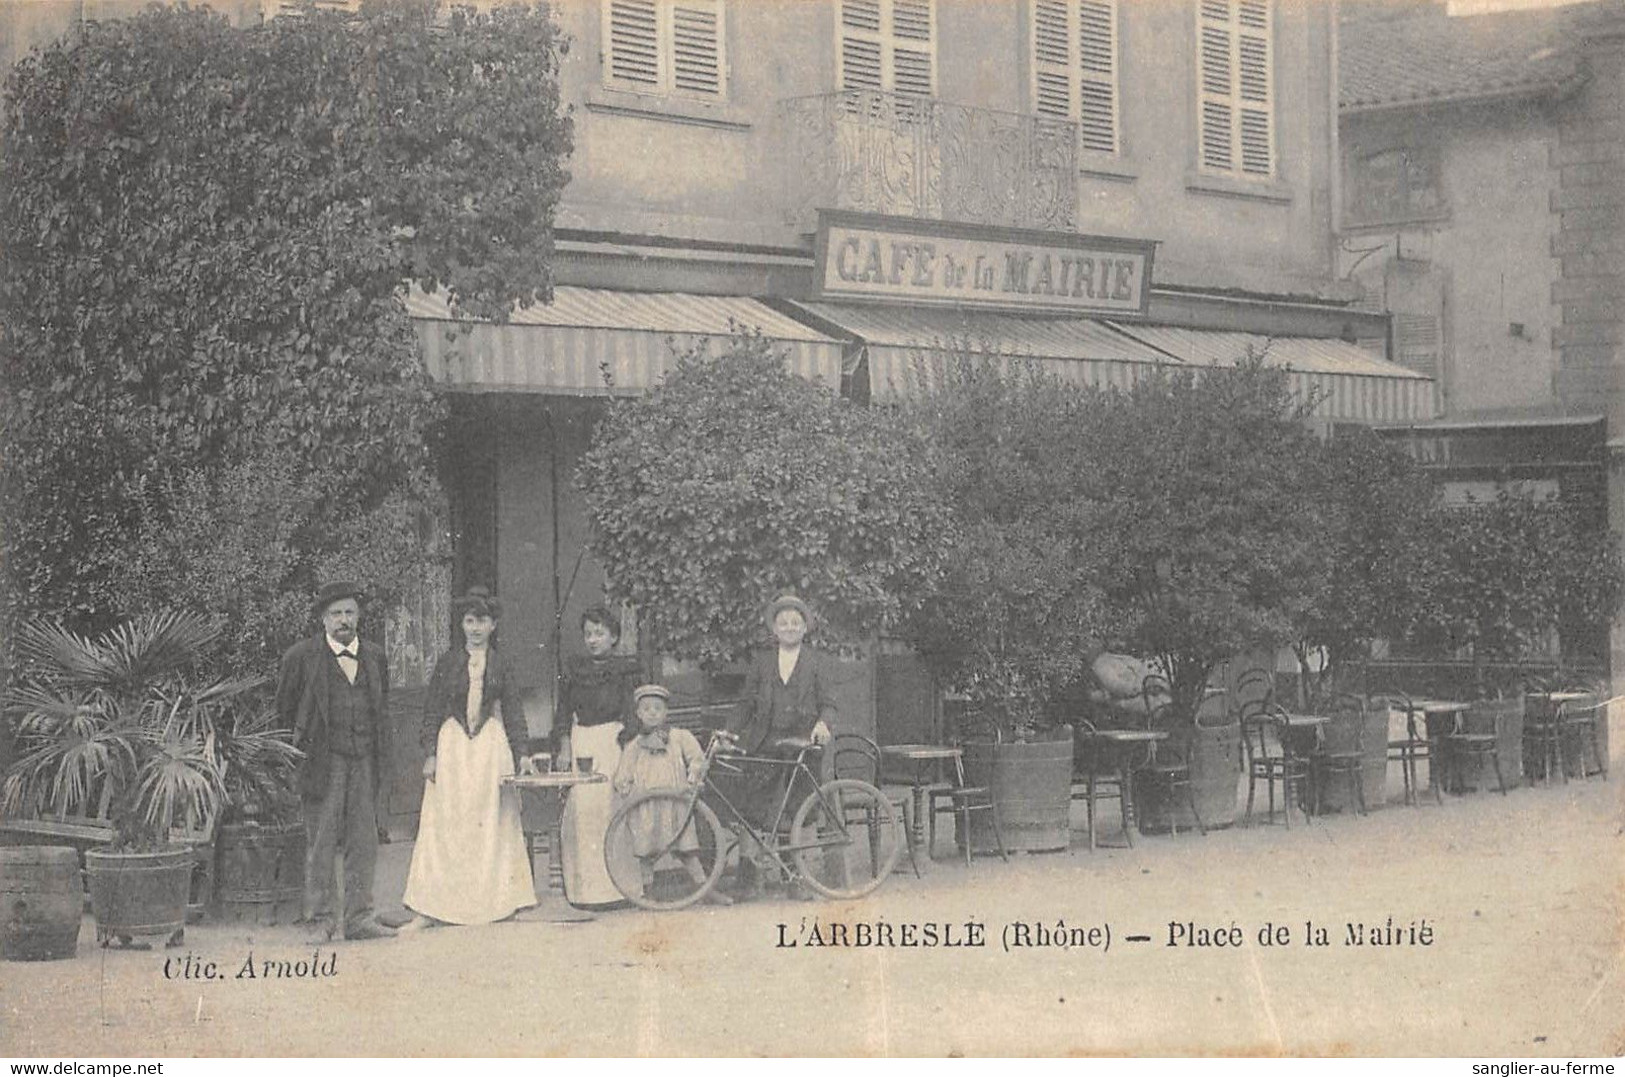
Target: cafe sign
[{"x": 897, "y": 259}]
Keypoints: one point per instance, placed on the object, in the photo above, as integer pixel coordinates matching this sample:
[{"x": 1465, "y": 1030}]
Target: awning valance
[
  {"x": 1353, "y": 385},
  {"x": 564, "y": 347},
  {"x": 1080, "y": 350}
]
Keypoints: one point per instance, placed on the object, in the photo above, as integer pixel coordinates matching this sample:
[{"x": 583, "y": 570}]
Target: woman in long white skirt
[
  {"x": 594, "y": 707},
  {"x": 470, "y": 864}
]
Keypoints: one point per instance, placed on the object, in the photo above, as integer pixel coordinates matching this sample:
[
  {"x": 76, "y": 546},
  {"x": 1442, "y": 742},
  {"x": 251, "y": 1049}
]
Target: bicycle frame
[{"x": 735, "y": 820}]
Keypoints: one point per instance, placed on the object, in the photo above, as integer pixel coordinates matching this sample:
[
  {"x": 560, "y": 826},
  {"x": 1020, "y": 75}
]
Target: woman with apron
[{"x": 595, "y": 706}]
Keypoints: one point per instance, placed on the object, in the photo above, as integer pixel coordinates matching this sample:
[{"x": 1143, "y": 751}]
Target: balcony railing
[{"x": 919, "y": 157}]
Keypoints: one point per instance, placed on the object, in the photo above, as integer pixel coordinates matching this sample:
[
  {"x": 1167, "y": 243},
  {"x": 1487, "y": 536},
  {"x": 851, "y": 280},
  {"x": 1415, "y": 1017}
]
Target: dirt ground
[{"x": 1523, "y": 899}]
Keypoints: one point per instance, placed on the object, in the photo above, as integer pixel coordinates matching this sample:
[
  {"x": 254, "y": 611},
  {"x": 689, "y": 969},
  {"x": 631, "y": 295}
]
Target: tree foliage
[
  {"x": 204, "y": 235},
  {"x": 1501, "y": 576},
  {"x": 735, "y": 480},
  {"x": 1207, "y": 550},
  {"x": 1020, "y": 612},
  {"x": 1370, "y": 500}
]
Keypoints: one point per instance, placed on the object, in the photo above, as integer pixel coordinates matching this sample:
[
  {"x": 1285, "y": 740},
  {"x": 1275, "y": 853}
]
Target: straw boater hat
[
  {"x": 657, "y": 690},
  {"x": 332, "y": 592},
  {"x": 788, "y": 602}
]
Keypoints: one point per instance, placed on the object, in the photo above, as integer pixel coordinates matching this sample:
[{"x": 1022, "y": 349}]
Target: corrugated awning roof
[
  {"x": 566, "y": 346},
  {"x": 1312, "y": 355}
]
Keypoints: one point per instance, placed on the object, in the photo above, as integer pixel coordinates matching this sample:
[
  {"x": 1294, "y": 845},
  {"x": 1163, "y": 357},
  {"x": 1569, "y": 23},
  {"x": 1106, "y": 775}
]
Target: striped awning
[
  {"x": 1348, "y": 383},
  {"x": 900, "y": 341},
  {"x": 567, "y": 346},
  {"x": 1351, "y": 384}
]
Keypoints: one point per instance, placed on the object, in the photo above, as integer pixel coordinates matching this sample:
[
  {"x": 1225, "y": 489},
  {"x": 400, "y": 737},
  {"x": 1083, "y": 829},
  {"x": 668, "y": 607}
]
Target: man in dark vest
[{"x": 334, "y": 694}]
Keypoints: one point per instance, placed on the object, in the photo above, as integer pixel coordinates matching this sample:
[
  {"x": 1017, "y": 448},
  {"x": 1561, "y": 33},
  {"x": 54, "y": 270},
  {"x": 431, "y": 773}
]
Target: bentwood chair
[
  {"x": 962, "y": 800},
  {"x": 1272, "y": 760},
  {"x": 1167, "y": 766},
  {"x": 853, "y": 755},
  {"x": 1098, "y": 774},
  {"x": 1413, "y": 748}
]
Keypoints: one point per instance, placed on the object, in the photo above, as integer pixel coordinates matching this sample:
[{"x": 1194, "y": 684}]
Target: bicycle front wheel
[
  {"x": 848, "y": 838},
  {"x": 664, "y": 850}
]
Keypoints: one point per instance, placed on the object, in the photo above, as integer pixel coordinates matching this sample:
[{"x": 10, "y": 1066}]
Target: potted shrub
[
  {"x": 1503, "y": 577},
  {"x": 124, "y": 727},
  {"x": 1208, "y": 550},
  {"x": 1018, "y": 615}
]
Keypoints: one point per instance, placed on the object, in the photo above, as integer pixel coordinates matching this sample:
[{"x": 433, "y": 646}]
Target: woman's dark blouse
[
  {"x": 597, "y": 691},
  {"x": 448, "y": 698}
]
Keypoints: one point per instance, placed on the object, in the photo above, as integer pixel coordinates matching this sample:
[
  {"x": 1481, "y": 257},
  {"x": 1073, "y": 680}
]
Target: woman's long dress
[
  {"x": 470, "y": 865},
  {"x": 598, "y": 697}
]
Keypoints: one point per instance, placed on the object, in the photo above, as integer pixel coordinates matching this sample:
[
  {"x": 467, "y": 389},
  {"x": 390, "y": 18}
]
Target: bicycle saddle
[{"x": 795, "y": 744}]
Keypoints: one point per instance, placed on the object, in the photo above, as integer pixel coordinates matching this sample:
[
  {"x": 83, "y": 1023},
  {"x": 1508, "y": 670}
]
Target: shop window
[
  {"x": 671, "y": 47},
  {"x": 1235, "y": 60},
  {"x": 1074, "y": 67},
  {"x": 1392, "y": 185},
  {"x": 888, "y": 46}
]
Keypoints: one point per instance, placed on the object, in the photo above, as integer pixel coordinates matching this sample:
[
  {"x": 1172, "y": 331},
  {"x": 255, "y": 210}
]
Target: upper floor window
[
  {"x": 1392, "y": 185},
  {"x": 1235, "y": 60},
  {"x": 888, "y": 45},
  {"x": 665, "y": 47},
  {"x": 1074, "y": 66}
]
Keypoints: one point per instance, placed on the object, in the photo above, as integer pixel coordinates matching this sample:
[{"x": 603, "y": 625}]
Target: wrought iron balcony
[{"x": 920, "y": 157}]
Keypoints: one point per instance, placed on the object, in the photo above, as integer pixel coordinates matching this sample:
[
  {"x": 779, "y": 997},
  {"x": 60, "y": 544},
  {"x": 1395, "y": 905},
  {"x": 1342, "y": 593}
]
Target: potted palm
[{"x": 124, "y": 727}]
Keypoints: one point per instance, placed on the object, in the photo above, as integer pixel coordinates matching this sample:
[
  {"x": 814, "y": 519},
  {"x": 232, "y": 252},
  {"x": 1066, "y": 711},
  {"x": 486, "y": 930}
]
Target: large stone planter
[{"x": 1031, "y": 785}]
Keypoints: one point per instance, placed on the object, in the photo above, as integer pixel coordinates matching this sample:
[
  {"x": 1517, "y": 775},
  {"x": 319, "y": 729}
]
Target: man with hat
[
  {"x": 333, "y": 693},
  {"x": 788, "y": 691}
]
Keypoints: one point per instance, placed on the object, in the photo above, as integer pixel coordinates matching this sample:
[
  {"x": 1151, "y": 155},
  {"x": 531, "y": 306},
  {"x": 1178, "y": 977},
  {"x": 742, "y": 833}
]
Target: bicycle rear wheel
[
  {"x": 857, "y": 833},
  {"x": 664, "y": 850}
]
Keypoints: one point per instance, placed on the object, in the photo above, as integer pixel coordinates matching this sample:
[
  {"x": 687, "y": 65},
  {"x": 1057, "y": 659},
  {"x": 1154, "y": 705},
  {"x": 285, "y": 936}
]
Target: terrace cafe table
[
  {"x": 1123, "y": 746},
  {"x": 1441, "y": 717},
  {"x": 918, "y": 755},
  {"x": 545, "y": 795}
]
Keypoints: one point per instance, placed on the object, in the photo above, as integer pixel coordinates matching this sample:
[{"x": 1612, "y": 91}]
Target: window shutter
[
  {"x": 1235, "y": 62},
  {"x": 1052, "y": 59},
  {"x": 634, "y": 44},
  {"x": 913, "y": 57},
  {"x": 697, "y": 58},
  {"x": 1256, "y": 78},
  {"x": 665, "y": 46},
  {"x": 1416, "y": 339},
  {"x": 1097, "y": 75},
  {"x": 888, "y": 45}
]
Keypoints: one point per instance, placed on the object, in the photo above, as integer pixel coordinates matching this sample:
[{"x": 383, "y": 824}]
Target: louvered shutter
[
  {"x": 1075, "y": 67},
  {"x": 888, "y": 45},
  {"x": 665, "y": 46},
  {"x": 697, "y": 57},
  {"x": 1236, "y": 74},
  {"x": 633, "y": 33},
  {"x": 1416, "y": 342}
]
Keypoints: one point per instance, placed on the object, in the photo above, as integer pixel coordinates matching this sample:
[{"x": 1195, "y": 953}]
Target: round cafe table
[
  {"x": 542, "y": 797},
  {"x": 919, "y": 755},
  {"x": 1124, "y": 747}
]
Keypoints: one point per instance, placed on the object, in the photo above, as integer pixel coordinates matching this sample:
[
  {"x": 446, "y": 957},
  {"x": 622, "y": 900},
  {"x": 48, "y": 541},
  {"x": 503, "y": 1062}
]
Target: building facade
[{"x": 1482, "y": 209}]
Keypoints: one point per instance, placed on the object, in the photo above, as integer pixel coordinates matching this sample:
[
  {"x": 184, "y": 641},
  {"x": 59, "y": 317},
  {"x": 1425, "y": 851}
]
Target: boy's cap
[{"x": 657, "y": 690}]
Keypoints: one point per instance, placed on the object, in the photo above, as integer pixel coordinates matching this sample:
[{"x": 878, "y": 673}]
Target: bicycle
[{"x": 821, "y": 848}]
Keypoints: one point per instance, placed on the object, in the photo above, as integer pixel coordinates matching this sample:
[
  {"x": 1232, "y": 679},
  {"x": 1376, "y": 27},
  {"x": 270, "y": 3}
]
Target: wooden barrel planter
[
  {"x": 1031, "y": 783},
  {"x": 139, "y": 894},
  {"x": 41, "y": 900},
  {"x": 1214, "y": 754},
  {"x": 259, "y": 868}
]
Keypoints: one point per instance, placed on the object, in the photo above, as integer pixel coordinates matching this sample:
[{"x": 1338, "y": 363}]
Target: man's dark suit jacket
[
  {"x": 809, "y": 696},
  {"x": 302, "y": 700}
]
